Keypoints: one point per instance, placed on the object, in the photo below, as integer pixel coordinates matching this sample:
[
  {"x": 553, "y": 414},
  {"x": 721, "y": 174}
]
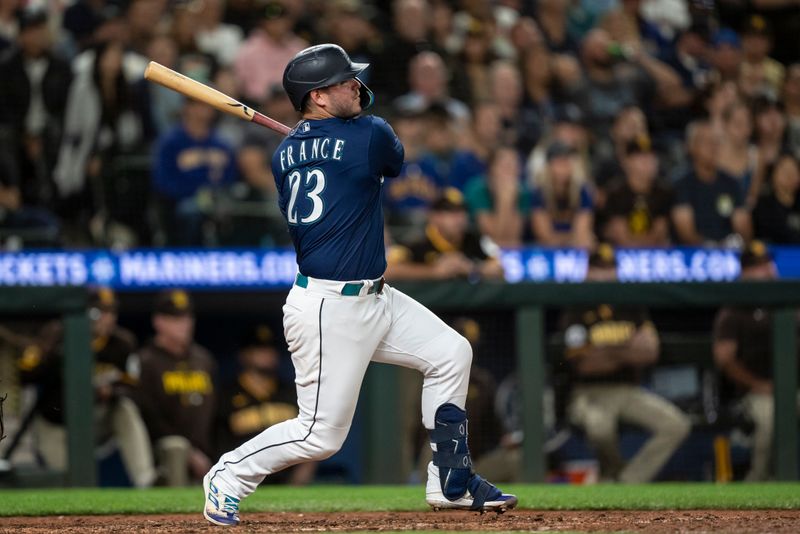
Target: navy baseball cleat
[
  {"x": 220, "y": 509},
  {"x": 480, "y": 496}
]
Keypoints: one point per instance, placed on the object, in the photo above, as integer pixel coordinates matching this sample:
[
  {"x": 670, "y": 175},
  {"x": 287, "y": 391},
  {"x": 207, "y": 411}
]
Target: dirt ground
[{"x": 522, "y": 520}]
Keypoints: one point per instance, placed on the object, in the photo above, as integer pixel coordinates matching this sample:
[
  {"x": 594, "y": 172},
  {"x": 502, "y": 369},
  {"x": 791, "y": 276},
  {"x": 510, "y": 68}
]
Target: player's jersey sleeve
[{"x": 385, "y": 149}]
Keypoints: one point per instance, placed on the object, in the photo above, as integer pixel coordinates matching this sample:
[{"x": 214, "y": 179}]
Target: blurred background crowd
[
  {"x": 564, "y": 123},
  {"x": 561, "y": 123}
]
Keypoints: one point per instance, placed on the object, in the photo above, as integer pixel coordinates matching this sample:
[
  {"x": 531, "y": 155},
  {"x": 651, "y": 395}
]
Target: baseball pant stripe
[{"x": 313, "y": 419}]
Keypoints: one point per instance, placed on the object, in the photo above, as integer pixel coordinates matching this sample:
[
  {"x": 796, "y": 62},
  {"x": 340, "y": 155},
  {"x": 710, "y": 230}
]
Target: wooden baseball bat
[{"x": 155, "y": 72}]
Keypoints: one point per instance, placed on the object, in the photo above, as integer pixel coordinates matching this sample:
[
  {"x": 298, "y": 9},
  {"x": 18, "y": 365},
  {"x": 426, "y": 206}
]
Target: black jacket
[{"x": 15, "y": 88}]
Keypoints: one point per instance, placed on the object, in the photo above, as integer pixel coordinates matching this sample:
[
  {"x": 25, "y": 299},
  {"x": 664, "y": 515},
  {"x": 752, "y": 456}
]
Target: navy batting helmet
[{"x": 321, "y": 66}]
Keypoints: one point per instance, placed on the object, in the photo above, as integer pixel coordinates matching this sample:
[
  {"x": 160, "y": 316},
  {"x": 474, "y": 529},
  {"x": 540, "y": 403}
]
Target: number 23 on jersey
[{"x": 309, "y": 185}]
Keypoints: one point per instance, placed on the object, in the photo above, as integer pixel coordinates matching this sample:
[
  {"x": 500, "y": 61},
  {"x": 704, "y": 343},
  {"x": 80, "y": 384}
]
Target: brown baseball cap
[
  {"x": 641, "y": 144},
  {"x": 755, "y": 253},
  {"x": 757, "y": 25},
  {"x": 450, "y": 199},
  {"x": 175, "y": 302},
  {"x": 259, "y": 335},
  {"x": 103, "y": 298},
  {"x": 603, "y": 256}
]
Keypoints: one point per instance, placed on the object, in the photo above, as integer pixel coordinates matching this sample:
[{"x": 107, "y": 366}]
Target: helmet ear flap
[{"x": 366, "y": 96}]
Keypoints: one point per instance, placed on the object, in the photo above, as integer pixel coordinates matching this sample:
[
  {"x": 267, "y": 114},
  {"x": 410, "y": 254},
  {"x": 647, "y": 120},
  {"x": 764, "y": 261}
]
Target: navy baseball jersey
[{"x": 329, "y": 175}]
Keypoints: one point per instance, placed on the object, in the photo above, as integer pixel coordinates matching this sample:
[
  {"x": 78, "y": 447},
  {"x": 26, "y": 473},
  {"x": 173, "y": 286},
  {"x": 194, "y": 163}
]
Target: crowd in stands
[{"x": 563, "y": 123}]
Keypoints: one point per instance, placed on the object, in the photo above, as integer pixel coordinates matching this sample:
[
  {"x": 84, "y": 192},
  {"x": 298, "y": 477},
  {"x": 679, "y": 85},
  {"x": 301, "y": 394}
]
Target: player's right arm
[{"x": 725, "y": 348}]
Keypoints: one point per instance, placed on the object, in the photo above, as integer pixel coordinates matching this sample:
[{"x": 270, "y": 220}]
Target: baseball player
[{"x": 339, "y": 315}]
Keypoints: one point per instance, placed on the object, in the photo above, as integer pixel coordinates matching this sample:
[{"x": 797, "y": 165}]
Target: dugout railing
[
  {"x": 529, "y": 302},
  {"x": 379, "y": 402}
]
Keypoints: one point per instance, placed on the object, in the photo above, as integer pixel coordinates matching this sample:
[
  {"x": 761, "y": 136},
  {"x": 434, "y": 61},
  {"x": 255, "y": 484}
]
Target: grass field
[{"x": 784, "y": 496}]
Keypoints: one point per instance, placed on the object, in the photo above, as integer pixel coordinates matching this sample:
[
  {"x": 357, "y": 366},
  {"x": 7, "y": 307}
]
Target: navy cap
[
  {"x": 726, "y": 36},
  {"x": 560, "y": 149},
  {"x": 30, "y": 17}
]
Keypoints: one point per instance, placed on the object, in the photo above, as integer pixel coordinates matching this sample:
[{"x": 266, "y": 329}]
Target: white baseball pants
[{"x": 332, "y": 339}]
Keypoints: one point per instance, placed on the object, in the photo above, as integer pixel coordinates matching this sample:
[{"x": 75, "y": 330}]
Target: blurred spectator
[
  {"x": 537, "y": 101},
  {"x": 176, "y": 392},
  {"x": 552, "y": 17},
  {"x": 776, "y": 217},
  {"x": 240, "y": 13},
  {"x": 629, "y": 26},
  {"x": 495, "y": 17},
  {"x": 499, "y": 201},
  {"x": 688, "y": 58},
  {"x": 448, "y": 250},
  {"x": 84, "y": 18},
  {"x": 569, "y": 127},
  {"x": 269, "y": 47},
  {"x": 718, "y": 100},
  {"x": 608, "y": 349},
  {"x": 637, "y": 210},
  {"x": 743, "y": 353},
  {"x": 428, "y": 80},
  {"x": 610, "y": 85},
  {"x": 8, "y": 23},
  {"x": 443, "y": 34},
  {"x": 561, "y": 202},
  {"x": 101, "y": 122},
  {"x": 440, "y": 140},
  {"x": 738, "y": 157},
  {"x": 784, "y": 19},
  {"x": 506, "y": 92},
  {"x": 709, "y": 206},
  {"x": 482, "y": 138},
  {"x": 756, "y": 47},
  {"x": 162, "y": 104},
  {"x": 525, "y": 35},
  {"x": 629, "y": 125},
  {"x": 257, "y": 399},
  {"x": 726, "y": 55},
  {"x": 350, "y": 25},
  {"x": 184, "y": 25},
  {"x": 791, "y": 101},
  {"x": 191, "y": 162},
  {"x": 22, "y": 225},
  {"x": 143, "y": 18},
  {"x": 770, "y": 135},
  {"x": 472, "y": 80},
  {"x": 33, "y": 96},
  {"x": 116, "y": 370},
  {"x": 408, "y": 196},
  {"x": 214, "y": 37},
  {"x": 411, "y": 22},
  {"x": 229, "y": 128}
]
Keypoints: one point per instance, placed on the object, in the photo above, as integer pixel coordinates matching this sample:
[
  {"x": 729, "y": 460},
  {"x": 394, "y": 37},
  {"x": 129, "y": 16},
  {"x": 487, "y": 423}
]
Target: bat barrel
[{"x": 176, "y": 81}]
